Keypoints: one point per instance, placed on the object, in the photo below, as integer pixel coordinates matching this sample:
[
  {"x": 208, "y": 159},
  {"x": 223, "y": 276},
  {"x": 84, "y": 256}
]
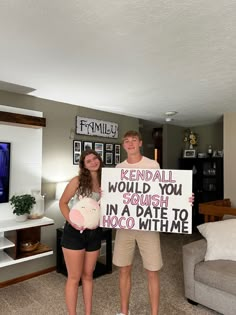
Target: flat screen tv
[{"x": 5, "y": 148}]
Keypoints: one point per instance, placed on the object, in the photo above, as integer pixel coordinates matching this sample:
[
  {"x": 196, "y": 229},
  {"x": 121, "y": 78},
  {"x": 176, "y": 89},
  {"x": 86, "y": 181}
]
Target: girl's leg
[
  {"x": 74, "y": 260},
  {"x": 87, "y": 279}
]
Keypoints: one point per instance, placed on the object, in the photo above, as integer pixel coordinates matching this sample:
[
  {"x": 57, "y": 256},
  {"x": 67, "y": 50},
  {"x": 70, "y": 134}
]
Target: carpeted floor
[{"x": 45, "y": 294}]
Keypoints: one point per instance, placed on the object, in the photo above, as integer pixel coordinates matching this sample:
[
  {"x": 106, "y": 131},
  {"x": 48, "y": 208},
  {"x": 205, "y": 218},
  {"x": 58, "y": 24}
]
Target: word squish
[{"x": 145, "y": 200}]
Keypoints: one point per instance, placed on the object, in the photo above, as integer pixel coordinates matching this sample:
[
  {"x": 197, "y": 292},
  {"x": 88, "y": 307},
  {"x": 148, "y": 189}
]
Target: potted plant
[{"x": 22, "y": 204}]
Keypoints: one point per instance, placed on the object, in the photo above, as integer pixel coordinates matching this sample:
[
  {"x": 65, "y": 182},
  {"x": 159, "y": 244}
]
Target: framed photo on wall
[
  {"x": 77, "y": 149},
  {"x": 117, "y": 148},
  {"x": 87, "y": 145},
  {"x": 117, "y": 158},
  {"x": 109, "y": 158},
  {"x": 117, "y": 153},
  {"x": 109, "y": 147},
  {"x": 99, "y": 148}
]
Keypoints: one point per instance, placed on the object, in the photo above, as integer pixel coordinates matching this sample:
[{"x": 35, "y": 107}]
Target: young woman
[{"x": 81, "y": 250}]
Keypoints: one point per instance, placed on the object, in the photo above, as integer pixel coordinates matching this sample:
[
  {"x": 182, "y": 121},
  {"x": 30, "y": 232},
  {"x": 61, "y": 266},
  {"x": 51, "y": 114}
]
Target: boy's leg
[
  {"x": 149, "y": 247},
  {"x": 123, "y": 257},
  {"x": 154, "y": 290},
  {"x": 125, "y": 288}
]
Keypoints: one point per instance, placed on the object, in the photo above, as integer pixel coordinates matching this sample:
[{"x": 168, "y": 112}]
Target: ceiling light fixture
[{"x": 169, "y": 115}]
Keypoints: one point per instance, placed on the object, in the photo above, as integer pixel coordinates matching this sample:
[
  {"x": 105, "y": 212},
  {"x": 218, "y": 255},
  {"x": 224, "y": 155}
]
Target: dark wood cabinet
[{"x": 207, "y": 181}]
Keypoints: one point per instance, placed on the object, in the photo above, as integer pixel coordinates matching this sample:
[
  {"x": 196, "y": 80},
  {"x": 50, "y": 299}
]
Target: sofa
[{"x": 209, "y": 266}]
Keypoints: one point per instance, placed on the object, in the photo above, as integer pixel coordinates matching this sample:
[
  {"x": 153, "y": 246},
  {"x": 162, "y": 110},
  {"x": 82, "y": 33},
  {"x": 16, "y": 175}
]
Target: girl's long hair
[{"x": 85, "y": 178}]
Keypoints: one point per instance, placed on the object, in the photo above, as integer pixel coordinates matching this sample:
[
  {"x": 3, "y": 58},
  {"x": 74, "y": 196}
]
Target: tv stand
[{"x": 12, "y": 233}]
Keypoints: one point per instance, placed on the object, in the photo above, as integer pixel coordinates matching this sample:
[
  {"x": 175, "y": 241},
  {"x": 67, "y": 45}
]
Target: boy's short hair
[{"x": 132, "y": 133}]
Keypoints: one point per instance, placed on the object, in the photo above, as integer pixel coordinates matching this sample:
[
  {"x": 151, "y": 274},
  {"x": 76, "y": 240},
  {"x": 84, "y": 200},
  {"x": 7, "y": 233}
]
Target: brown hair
[
  {"x": 85, "y": 178},
  {"x": 132, "y": 133}
]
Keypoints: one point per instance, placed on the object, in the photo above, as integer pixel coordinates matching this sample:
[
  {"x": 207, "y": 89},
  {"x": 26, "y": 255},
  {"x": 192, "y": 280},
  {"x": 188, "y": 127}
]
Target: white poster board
[{"x": 147, "y": 199}]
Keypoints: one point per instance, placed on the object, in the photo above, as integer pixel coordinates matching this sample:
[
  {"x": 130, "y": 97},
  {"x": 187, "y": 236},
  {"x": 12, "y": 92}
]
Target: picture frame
[
  {"x": 219, "y": 153},
  {"x": 87, "y": 145},
  {"x": 189, "y": 153},
  {"x": 117, "y": 158},
  {"x": 77, "y": 149},
  {"x": 117, "y": 154},
  {"x": 117, "y": 149},
  {"x": 109, "y": 158},
  {"x": 99, "y": 148},
  {"x": 109, "y": 147}
]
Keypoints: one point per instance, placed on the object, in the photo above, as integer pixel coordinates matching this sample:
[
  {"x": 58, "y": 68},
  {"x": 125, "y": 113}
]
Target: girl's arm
[{"x": 68, "y": 193}]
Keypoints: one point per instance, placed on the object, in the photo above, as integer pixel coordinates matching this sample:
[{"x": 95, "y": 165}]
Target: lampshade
[{"x": 60, "y": 187}]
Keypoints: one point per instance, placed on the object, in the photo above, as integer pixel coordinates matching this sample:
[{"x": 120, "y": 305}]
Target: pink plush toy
[{"x": 85, "y": 214}]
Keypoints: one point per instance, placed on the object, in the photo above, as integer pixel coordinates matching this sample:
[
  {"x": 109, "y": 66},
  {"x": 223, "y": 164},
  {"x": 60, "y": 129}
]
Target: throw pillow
[{"x": 221, "y": 239}]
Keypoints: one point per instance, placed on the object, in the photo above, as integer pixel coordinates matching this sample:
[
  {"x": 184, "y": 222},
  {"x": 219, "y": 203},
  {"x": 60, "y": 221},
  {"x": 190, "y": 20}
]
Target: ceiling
[{"x": 135, "y": 57}]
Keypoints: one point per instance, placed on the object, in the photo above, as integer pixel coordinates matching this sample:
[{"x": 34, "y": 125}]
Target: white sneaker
[{"x": 122, "y": 313}]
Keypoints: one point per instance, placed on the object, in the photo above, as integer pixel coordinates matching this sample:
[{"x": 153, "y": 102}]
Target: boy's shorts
[
  {"x": 148, "y": 244},
  {"x": 90, "y": 240}
]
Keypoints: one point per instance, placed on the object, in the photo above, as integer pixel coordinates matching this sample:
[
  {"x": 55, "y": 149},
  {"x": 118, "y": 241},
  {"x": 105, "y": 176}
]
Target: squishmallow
[{"x": 85, "y": 214}]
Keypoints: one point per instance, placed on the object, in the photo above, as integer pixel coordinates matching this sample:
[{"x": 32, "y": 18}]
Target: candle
[{"x": 155, "y": 154}]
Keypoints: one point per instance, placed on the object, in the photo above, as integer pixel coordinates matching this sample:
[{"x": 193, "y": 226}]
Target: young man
[{"x": 148, "y": 242}]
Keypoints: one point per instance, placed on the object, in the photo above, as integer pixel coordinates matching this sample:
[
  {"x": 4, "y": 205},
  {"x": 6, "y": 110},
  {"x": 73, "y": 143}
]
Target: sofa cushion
[
  {"x": 219, "y": 274},
  {"x": 221, "y": 239}
]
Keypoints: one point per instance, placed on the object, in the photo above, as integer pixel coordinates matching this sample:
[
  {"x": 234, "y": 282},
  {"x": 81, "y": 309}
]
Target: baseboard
[
  {"x": 26, "y": 277},
  {"x": 103, "y": 248},
  {"x": 41, "y": 272}
]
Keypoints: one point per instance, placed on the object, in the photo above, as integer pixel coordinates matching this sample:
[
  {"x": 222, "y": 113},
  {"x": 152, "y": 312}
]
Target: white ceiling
[{"x": 135, "y": 57}]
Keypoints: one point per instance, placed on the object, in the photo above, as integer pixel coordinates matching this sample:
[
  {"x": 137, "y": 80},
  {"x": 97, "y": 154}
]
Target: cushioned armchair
[
  {"x": 210, "y": 283},
  {"x": 209, "y": 264}
]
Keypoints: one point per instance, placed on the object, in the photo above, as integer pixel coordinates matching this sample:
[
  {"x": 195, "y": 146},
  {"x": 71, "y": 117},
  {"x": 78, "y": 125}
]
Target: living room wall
[
  {"x": 57, "y": 163},
  {"x": 230, "y": 157}
]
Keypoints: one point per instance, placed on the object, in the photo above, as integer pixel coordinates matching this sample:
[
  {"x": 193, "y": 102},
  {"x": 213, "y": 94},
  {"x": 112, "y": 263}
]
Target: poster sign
[
  {"x": 147, "y": 199},
  {"x": 94, "y": 127}
]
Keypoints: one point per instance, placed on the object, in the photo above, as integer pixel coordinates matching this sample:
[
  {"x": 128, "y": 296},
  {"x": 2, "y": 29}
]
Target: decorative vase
[
  {"x": 21, "y": 217},
  {"x": 37, "y": 212},
  {"x": 190, "y": 147}
]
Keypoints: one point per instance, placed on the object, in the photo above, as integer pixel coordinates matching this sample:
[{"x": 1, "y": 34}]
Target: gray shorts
[{"x": 149, "y": 247}]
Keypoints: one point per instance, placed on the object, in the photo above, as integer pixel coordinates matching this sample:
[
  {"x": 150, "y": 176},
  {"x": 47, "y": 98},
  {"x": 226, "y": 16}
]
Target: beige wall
[
  {"x": 210, "y": 134},
  {"x": 173, "y": 144},
  {"x": 57, "y": 163},
  {"x": 230, "y": 157}
]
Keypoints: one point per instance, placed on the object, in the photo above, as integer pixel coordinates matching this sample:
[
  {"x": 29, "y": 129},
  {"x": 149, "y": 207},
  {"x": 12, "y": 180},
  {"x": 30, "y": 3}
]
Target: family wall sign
[
  {"x": 94, "y": 127},
  {"x": 147, "y": 199}
]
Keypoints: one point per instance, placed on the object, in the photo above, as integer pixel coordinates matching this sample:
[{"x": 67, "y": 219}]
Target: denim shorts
[{"x": 90, "y": 240}]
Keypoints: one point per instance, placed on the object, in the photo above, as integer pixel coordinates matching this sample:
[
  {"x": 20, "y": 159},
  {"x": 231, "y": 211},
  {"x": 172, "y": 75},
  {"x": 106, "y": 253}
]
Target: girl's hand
[
  {"x": 75, "y": 226},
  {"x": 191, "y": 199}
]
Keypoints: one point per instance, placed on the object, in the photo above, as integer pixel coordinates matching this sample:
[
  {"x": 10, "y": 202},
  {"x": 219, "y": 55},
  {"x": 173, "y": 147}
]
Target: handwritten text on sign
[
  {"x": 147, "y": 199},
  {"x": 94, "y": 127}
]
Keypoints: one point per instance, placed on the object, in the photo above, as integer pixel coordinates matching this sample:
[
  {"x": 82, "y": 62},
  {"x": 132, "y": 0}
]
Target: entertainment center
[
  {"x": 12, "y": 233},
  {"x": 21, "y": 172}
]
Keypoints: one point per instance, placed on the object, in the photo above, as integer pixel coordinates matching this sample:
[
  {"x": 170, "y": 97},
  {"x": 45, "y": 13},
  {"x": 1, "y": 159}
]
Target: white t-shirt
[{"x": 143, "y": 164}]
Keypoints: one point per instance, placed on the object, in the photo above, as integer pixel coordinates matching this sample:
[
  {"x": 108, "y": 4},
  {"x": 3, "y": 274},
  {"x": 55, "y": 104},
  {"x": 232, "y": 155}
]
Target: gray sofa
[{"x": 210, "y": 283}]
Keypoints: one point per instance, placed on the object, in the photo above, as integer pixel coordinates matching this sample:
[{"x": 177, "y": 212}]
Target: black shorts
[{"x": 90, "y": 240}]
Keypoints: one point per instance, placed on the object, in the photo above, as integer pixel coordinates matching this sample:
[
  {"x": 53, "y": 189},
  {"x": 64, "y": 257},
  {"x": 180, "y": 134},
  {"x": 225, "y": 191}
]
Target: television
[{"x": 5, "y": 148}]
